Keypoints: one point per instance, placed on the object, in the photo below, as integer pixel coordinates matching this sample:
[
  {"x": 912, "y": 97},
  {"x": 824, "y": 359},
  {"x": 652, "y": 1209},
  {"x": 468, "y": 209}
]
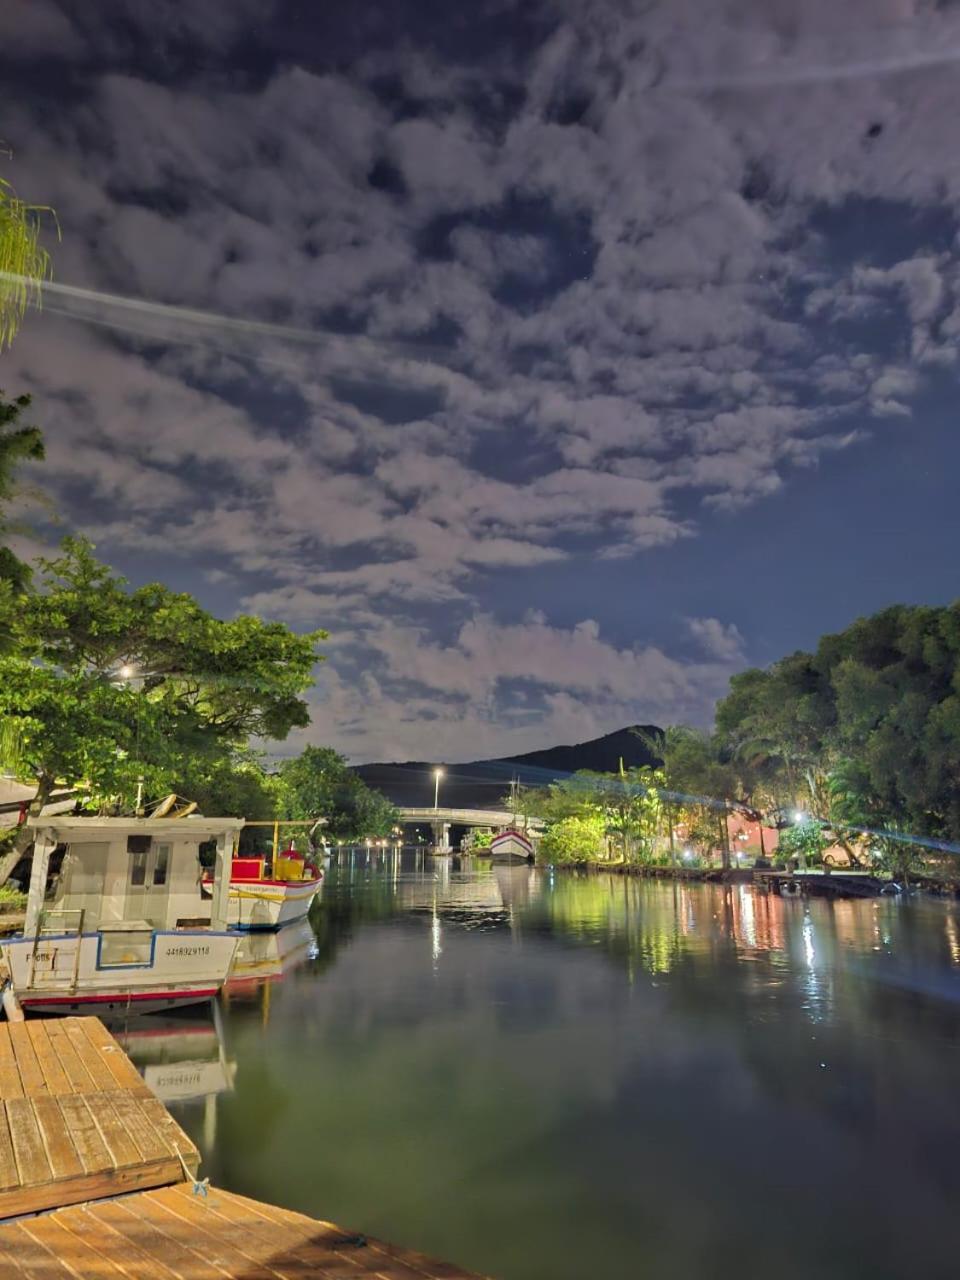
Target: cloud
[{"x": 546, "y": 311}]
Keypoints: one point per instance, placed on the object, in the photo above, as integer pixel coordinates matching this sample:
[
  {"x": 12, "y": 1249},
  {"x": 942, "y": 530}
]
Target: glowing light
[
  {"x": 688, "y": 854},
  {"x": 127, "y": 671},
  {"x": 799, "y": 816}
]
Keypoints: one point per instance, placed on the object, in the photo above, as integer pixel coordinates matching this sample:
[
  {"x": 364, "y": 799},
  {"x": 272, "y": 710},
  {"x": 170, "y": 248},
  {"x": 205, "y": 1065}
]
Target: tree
[
  {"x": 19, "y": 443},
  {"x": 319, "y": 784},
  {"x": 24, "y": 263},
  {"x": 103, "y": 685}
]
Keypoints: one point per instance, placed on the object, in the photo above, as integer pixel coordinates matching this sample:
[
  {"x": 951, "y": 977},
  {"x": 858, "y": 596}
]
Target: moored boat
[
  {"x": 263, "y": 898},
  {"x": 511, "y": 846},
  {"x": 114, "y": 921}
]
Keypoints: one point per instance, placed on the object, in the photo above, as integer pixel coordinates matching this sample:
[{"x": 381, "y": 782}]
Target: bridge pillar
[{"x": 441, "y": 837}]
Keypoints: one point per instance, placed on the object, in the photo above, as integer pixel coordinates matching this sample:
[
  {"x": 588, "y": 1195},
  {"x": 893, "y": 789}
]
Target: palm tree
[{"x": 24, "y": 262}]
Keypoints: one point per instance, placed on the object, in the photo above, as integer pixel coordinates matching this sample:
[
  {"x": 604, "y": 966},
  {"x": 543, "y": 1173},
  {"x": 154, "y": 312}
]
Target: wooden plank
[
  {"x": 79, "y": 1077},
  {"x": 10, "y": 1083},
  {"x": 57, "y": 1142},
  {"x": 30, "y": 1074},
  {"x": 218, "y": 1243},
  {"x": 92, "y": 1151},
  {"x": 32, "y": 1163},
  {"x": 92, "y": 1186},
  {"x": 53, "y": 1073},
  {"x": 89, "y": 1054},
  {"x": 123, "y": 1150},
  {"x": 125, "y": 1074},
  {"x": 170, "y": 1132},
  {"x": 9, "y": 1174},
  {"x": 77, "y": 1255},
  {"x": 114, "y": 1247},
  {"x": 141, "y": 1130},
  {"x": 124, "y": 1216},
  {"x": 32, "y": 1260}
]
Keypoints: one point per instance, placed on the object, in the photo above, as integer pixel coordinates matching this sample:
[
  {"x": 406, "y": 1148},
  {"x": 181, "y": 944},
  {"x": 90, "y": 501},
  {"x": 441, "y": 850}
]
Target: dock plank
[
  {"x": 57, "y": 1140},
  {"x": 113, "y": 1246},
  {"x": 79, "y": 1077},
  {"x": 32, "y": 1163},
  {"x": 54, "y": 1075},
  {"x": 140, "y": 1129},
  {"x": 125, "y": 1074},
  {"x": 93, "y": 1153},
  {"x": 79, "y": 1254},
  {"x": 9, "y": 1174},
  {"x": 91, "y": 1057},
  {"x": 123, "y": 1150},
  {"x": 11, "y": 1085},
  {"x": 31, "y": 1075},
  {"x": 126, "y": 1217}
]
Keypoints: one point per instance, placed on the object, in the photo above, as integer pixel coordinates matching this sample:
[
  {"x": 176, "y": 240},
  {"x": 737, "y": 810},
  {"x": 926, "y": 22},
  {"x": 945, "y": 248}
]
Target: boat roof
[{"x": 72, "y": 830}]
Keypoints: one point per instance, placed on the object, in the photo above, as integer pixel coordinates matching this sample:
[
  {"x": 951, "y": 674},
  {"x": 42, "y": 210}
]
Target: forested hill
[{"x": 481, "y": 783}]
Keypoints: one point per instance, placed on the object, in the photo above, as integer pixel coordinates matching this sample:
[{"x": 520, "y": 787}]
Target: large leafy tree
[
  {"x": 103, "y": 685},
  {"x": 318, "y": 783}
]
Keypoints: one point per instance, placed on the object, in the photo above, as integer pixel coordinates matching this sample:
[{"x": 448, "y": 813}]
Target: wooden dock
[{"x": 109, "y": 1180}]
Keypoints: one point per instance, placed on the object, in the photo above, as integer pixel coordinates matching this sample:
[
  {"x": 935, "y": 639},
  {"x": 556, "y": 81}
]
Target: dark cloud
[{"x": 573, "y": 278}]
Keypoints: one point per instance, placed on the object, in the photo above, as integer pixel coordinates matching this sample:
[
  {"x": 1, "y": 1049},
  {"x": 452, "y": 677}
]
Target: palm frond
[{"x": 24, "y": 262}]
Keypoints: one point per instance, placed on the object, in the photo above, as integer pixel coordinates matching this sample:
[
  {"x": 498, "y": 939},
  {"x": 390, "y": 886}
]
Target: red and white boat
[
  {"x": 262, "y": 899},
  {"x": 511, "y": 846}
]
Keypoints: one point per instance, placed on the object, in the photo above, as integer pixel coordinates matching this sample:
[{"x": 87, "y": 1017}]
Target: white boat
[
  {"x": 511, "y": 846},
  {"x": 119, "y": 925},
  {"x": 262, "y": 900},
  {"x": 266, "y": 957}
]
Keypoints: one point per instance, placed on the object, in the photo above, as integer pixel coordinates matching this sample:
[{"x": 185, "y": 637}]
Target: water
[{"x": 551, "y": 1076}]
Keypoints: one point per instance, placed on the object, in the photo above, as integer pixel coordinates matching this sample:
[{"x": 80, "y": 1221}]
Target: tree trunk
[
  {"x": 724, "y": 841},
  {"x": 24, "y": 837}
]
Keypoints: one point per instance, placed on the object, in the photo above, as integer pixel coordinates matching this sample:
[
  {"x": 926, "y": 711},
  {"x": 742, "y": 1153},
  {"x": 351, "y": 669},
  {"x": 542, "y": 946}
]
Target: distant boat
[{"x": 511, "y": 846}]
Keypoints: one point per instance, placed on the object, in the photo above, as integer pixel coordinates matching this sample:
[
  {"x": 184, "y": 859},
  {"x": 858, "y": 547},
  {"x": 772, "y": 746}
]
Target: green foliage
[
  {"x": 575, "y": 838},
  {"x": 624, "y": 806},
  {"x": 196, "y": 687},
  {"x": 319, "y": 784},
  {"x": 24, "y": 262},
  {"x": 804, "y": 841},
  {"x": 19, "y": 443}
]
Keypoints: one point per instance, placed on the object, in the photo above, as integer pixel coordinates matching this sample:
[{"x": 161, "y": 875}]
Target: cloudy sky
[{"x": 560, "y": 357}]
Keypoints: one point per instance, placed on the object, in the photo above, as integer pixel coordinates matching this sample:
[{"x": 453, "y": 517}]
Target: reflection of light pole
[{"x": 437, "y": 775}]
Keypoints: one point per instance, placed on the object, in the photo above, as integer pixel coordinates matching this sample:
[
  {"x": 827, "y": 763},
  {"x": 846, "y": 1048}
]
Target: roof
[{"x": 73, "y": 829}]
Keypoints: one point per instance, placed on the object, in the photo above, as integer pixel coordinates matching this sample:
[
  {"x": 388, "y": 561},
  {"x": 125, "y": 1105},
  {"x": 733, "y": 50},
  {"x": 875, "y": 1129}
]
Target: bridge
[{"x": 442, "y": 819}]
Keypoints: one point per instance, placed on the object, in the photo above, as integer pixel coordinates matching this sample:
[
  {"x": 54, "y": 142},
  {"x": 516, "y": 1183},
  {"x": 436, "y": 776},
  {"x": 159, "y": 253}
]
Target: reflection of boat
[
  {"x": 180, "y": 1061},
  {"x": 269, "y": 900},
  {"x": 268, "y": 956},
  {"x": 118, "y": 926},
  {"x": 511, "y": 846}
]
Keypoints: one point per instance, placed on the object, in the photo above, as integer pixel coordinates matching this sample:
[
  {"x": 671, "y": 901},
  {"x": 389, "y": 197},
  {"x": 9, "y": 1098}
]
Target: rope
[{"x": 199, "y": 1188}]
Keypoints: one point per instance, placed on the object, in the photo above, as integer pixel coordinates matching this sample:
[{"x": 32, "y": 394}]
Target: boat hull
[
  {"x": 67, "y": 973},
  {"x": 267, "y": 905},
  {"x": 511, "y": 846}
]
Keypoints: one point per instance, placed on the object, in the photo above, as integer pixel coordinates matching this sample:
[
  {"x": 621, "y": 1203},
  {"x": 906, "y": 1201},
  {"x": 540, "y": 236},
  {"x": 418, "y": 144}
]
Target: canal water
[{"x": 560, "y": 1077}]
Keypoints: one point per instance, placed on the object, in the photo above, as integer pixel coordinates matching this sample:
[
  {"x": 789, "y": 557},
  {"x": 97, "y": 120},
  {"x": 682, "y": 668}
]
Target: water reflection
[{"x": 563, "y": 1076}]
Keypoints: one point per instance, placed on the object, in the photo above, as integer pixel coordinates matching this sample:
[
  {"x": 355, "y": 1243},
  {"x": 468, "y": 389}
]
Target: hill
[{"x": 482, "y": 783}]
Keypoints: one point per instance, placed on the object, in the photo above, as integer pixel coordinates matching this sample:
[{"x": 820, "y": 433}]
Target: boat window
[
  {"x": 160, "y": 867},
  {"x": 138, "y": 844},
  {"x": 131, "y": 947},
  {"x": 138, "y": 869}
]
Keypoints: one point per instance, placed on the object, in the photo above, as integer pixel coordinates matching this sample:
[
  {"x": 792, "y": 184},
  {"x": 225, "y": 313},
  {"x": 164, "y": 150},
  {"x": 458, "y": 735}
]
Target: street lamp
[{"x": 437, "y": 775}]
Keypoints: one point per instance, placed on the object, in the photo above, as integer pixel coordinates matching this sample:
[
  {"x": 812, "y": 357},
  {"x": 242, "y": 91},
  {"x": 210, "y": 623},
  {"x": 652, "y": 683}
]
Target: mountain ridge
[{"x": 482, "y": 783}]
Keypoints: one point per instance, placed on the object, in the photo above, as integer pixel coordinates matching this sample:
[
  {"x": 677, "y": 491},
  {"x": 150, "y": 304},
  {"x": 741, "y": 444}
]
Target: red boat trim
[{"x": 119, "y": 995}]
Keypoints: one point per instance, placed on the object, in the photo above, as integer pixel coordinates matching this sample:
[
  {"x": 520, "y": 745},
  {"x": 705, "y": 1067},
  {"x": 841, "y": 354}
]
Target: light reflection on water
[{"x": 549, "y": 1075}]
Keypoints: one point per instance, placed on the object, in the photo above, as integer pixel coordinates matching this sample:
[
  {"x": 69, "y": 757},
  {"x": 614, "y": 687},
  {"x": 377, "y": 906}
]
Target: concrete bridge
[{"x": 442, "y": 819}]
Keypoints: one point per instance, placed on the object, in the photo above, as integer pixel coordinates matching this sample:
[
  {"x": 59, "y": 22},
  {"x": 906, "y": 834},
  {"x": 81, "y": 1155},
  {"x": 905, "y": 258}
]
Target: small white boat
[
  {"x": 114, "y": 920},
  {"x": 269, "y": 900},
  {"x": 511, "y": 846}
]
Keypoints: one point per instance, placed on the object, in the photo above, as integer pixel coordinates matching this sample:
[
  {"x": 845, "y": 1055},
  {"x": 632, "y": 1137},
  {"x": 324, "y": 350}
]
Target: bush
[{"x": 574, "y": 839}]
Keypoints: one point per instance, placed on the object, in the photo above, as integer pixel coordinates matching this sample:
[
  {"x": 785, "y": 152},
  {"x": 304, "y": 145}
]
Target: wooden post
[
  {"x": 724, "y": 839},
  {"x": 219, "y": 905},
  {"x": 43, "y": 845}
]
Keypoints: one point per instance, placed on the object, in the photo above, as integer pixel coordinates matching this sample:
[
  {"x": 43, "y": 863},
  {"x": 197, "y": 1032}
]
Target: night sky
[{"x": 560, "y": 358}]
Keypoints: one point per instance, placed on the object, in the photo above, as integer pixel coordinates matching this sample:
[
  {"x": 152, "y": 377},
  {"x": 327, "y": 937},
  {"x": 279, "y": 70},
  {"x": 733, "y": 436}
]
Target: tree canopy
[
  {"x": 319, "y": 783},
  {"x": 24, "y": 262}
]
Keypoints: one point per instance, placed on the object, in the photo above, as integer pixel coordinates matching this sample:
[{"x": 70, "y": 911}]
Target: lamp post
[{"x": 437, "y": 775}]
